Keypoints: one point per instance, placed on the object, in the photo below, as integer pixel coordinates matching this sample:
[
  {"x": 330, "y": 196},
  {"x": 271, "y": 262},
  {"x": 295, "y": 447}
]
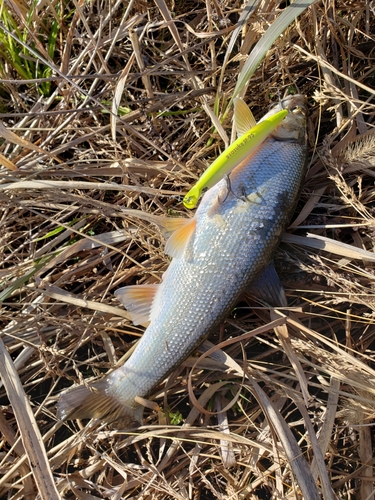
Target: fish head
[{"x": 293, "y": 127}]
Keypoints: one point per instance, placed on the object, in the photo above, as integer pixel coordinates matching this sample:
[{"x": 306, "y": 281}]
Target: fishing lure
[{"x": 250, "y": 137}]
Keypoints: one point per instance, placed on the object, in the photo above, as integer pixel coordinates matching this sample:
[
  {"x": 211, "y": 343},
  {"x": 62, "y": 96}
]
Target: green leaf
[
  {"x": 22, "y": 280},
  {"x": 175, "y": 417},
  {"x": 261, "y": 48}
]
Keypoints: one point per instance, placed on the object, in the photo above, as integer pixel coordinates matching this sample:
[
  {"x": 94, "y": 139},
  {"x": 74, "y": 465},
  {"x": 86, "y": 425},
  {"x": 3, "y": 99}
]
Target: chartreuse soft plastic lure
[{"x": 251, "y": 135}]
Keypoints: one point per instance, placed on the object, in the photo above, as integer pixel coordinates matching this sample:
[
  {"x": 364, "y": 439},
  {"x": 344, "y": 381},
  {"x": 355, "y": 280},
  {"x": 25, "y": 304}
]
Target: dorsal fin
[
  {"x": 178, "y": 240},
  {"x": 243, "y": 117},
  {"x": 138, "y": 299}
]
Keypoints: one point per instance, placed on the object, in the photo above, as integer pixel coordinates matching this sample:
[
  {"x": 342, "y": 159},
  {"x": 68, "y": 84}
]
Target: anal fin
[{"x": 138, "y": 299}]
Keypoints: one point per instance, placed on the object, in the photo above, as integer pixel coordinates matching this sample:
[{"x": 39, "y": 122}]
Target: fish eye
[{"x": 297, "y": 110}]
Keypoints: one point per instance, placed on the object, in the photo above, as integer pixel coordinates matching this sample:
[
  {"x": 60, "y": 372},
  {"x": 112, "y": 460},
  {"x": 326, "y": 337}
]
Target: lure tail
[{"x": 94, "y": 402}]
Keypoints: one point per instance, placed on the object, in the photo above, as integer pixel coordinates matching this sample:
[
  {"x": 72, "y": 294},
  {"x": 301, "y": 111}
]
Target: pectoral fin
[
  {"x": 166, "y": 224},
  {"x": 243, "y": 117},
  {"x": 178, "y": 240},
  {"x": 170, "y": 224},
  {"x": 180, "y": 228},
  {"x": 138, "y": 299}
]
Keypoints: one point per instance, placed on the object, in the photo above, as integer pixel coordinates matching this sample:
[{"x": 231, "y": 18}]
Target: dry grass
[{"x": 67, "y": 243}]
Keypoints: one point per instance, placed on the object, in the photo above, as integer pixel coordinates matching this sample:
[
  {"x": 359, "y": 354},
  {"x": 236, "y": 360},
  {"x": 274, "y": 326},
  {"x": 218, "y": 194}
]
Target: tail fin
[{"x": 94, "y": 402}]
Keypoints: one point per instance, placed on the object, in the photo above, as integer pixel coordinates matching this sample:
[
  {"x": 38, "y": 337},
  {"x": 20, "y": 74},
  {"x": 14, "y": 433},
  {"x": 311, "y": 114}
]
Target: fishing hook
[{"x": 242, "y": 197}]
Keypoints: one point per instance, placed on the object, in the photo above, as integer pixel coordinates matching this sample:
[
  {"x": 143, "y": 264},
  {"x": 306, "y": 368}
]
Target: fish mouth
[
  {"x": 293, "y": 127},
  {"x": 293, "y": 103}
]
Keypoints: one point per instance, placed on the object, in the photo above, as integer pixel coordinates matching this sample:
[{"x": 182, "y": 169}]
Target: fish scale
[{"x": 238, "y": 225}]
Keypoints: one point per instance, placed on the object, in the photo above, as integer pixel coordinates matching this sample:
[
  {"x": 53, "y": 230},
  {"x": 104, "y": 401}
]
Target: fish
[{"x": 217, "y": 255}]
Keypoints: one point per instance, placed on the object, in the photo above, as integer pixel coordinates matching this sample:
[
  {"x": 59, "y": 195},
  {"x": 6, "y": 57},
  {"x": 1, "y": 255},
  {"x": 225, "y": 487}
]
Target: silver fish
[{"x": 217, "y": 255}]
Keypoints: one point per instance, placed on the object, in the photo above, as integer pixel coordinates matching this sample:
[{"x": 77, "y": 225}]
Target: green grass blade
[
  {"x": 248, "y": 10},
  {"x": 18, "y": 283},
  {"x": 260, "y": 50}
]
